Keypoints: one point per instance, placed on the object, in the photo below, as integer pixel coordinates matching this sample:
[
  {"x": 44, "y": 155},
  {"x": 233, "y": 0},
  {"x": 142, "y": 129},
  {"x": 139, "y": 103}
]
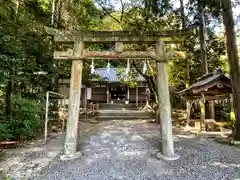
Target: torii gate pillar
[
  {"x": 164, "y": 105},
  {"x": 74, "y": 99}
]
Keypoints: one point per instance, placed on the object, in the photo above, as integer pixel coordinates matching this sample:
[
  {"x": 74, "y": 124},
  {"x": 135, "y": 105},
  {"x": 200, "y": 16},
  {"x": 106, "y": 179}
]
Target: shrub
[
  {"x": 5, "y": 132},
  {"x": 26, "y": 118},
  {"x": 26, "y": 121}
]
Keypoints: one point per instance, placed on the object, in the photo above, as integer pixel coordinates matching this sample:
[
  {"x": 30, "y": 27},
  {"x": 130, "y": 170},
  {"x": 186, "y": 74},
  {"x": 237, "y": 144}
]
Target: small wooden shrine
[{"x": 210, "y": 87}]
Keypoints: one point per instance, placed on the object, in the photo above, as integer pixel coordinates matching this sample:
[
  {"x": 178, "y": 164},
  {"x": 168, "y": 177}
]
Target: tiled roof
[
  {"x": 111, "y": 76},
  {"x": 209, "y": 79}
]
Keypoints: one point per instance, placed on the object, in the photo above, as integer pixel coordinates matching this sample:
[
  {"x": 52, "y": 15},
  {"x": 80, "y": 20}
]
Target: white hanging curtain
[
  {"x": 108, "y": 67},
  {"x": 145, "y": 66},
  {"x": 92, "y": 66}
]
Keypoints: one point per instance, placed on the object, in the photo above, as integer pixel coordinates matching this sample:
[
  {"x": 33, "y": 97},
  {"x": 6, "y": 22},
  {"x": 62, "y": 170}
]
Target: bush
[
  {"x": 25, "y": 122},
  {"x": 5, "y": 132}
]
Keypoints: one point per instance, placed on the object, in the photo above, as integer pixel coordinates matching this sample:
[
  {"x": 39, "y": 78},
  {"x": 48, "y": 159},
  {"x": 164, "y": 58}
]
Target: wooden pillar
[
  {"x": 107, "y": 93},
  {"x": 164, "y": 103},
  {"x": 85, "y": 95},
  {"x": 136, "y": 96},
  {"x": 189, "y": 105},
  {"x": 232, "y": 114},
  {"x": 128, "y": 94},
  {"x": 74, "y": 100},
  {"x": 65, "y": 94},
  {"x": 212, "y": 108},
  {"x": 46, "y": 118},
  {"x": 146, "y": 91},
  {"x": 202, "y": 115}
]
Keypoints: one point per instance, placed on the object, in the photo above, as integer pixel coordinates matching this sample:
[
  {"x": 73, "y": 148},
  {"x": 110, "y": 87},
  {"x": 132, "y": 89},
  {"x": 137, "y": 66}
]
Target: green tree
[
  {"x": 26, "y": 65},
  {"x": 233, "y": 60}
]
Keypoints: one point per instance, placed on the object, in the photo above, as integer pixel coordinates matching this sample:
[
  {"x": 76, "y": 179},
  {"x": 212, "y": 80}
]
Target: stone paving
[{"x": 125, "y": 150}]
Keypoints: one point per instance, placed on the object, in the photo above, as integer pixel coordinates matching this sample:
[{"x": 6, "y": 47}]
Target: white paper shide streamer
[
  {"x": 128, "y": 67},
  {"x": 127, "y": 70},
  {"x": 108, "y": 67},
  {"x": 144, "y": 66},
  {"x": 92, "y": 67}
]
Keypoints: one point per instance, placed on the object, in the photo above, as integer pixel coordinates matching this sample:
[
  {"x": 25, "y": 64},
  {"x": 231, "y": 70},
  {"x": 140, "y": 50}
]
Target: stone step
[
  {"x": 116, "y": 106},
  {"x": 118, "y": 111},
  {"x": 102, "y": 118},
  {"x": 123, "y": 113}
]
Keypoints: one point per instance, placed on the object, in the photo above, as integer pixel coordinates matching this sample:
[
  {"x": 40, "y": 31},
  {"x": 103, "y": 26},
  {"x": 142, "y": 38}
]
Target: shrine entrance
[
  {"x": 118, "y": 94},
  {"x": 78, "y": 54}
]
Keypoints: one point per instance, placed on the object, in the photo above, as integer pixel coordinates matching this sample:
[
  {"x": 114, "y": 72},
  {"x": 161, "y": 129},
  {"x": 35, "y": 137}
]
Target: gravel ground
[
  {"x": 125, "y": 150},
  {"x": 27, "y": 162}
]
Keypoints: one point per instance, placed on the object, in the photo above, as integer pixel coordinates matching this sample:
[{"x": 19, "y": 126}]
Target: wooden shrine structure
[
  {"x": 77, "y": 54},
  {"x": 210, "y": 87},
  {"x": 105, "y": 86}
]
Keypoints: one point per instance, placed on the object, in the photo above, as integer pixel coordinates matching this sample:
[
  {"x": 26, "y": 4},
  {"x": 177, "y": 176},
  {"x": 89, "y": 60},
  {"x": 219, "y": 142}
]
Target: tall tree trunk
[
  {"x": 233, "y": 61},
  {"x": 182, "y": 14},
  {"x": 57, "y": 13},
  {"x": 62, "y": 16},
  {"x": 203, "y": 38},
  {"x": 204, "y": 61},
  {"x": 186, "y": 77},
  {"x": 65, "y": 16},
  {"x": 53, "y": 13},
  {"x": 183, "y": 19}
]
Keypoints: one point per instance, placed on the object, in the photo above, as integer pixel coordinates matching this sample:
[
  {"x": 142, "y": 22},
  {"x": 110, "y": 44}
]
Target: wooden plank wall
[
  {"x": 99, "y": 94},
  {"x": 141, "y": 94}
]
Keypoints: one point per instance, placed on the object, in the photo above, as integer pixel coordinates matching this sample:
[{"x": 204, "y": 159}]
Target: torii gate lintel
[{"x": 126, "y": 37}]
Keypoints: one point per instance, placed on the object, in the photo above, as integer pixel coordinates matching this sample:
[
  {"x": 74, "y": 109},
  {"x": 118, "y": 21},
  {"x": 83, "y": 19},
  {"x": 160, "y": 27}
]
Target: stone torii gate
[{"x": 77, "y": 54}]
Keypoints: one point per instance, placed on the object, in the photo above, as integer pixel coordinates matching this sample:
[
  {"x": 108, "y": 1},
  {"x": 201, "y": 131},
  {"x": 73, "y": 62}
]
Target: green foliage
[
  {"x": 27, "y": 118},
  {"x": 9, "y": 178},
  {"x": 176, "y": 73},
  {"x": 86, "y": 15},
  {"x": 26, "y": 121},
  {"x": 129, "y": 79},
  {"x": 5, "y": 132},
  {"x": 108, "y": 23},
  {"x": 24, "y": 50}
]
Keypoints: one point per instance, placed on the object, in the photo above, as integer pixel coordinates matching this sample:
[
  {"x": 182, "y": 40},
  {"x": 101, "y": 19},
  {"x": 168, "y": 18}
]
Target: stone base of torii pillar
[{"x": 160, "y": 156}]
